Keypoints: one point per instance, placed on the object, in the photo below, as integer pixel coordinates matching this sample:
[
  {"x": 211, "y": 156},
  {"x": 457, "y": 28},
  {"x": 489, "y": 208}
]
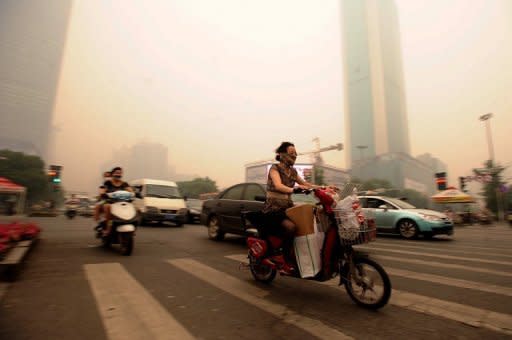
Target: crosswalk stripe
[
  {"x": 427, "y": 277},
  {"x": 253, "y": 295},
  {"x": 452, "y": 246},
  {"x": 473, "y": 316},
  {"x": 450, "y": 281},
  {"x": 441, "y": 256},
  {"x": 421, "y": 247},
  {"x": 443, "y": 265},
  {"x": 128, "y": 311}
]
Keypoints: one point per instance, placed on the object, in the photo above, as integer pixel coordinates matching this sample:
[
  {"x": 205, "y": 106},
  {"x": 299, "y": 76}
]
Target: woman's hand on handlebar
[{"x": 302, "y": 189}]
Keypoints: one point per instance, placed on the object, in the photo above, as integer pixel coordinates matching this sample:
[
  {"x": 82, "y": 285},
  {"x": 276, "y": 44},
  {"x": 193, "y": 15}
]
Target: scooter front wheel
[
  {"x": 261, "y": 272},
  {"x": 126, "y": 243},
  {"x": 368, "y": 284}
]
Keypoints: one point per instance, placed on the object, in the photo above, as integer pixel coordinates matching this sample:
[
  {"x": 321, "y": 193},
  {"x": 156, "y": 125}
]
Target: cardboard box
[{"x": 302, "y": 216}]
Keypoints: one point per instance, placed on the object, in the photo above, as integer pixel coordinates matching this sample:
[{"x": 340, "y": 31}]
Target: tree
[
  {"x": 492, "y": 189},
  {"x": 197, "y": 186},
  {"x": 28, "y": 171}
]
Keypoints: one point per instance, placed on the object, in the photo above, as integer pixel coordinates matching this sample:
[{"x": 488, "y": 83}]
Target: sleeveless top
[{"x": 273, "y": 204}]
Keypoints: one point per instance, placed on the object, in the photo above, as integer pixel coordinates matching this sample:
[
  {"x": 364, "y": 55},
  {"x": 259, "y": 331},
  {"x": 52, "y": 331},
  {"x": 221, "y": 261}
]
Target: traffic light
[
  {"x": 54, "y": 174},
  {"x": 462, "y": 183},
  {"x": 441, "y": 181}
]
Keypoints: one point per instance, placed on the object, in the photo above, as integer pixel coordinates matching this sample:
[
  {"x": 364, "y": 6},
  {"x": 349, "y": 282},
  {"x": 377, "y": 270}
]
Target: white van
[{"x": 159, "y": 201}]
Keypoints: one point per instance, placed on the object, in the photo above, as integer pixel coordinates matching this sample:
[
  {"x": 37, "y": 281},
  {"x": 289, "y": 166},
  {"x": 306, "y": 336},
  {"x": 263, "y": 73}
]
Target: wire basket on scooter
[{"x": 355, "y": 228}]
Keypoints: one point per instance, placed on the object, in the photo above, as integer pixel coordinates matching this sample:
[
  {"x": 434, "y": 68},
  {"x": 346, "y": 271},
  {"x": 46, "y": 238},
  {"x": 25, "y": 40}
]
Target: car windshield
[
  {"x": 401, "y": 204},
  {"x": 162, "y": 191}
]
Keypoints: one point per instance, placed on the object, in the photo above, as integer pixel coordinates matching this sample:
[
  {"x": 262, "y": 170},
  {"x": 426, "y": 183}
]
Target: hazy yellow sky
[{"x": 222, "y": 83}]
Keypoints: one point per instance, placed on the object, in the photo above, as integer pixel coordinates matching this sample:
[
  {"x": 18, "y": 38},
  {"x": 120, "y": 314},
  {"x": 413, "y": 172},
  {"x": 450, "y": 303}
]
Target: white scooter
[{"x": 124, "y": 216}]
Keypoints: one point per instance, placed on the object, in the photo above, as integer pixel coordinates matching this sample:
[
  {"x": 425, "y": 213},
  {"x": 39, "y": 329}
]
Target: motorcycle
[
  {"x": 71, "y": 210},
  {"x": 124, "y": 217},
  {"x": 365, "y": 281}
]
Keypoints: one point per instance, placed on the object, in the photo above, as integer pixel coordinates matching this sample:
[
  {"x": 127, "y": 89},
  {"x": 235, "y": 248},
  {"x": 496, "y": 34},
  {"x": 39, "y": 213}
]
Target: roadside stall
[
  {"x": 13, "y": 196},
  {"x": 454, "y": 196}
]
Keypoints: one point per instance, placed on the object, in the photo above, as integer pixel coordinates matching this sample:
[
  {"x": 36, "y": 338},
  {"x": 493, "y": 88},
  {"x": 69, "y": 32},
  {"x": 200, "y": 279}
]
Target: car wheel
[
  {"x": 408, "y": 229},
  {"x": 214, "y": 232}
]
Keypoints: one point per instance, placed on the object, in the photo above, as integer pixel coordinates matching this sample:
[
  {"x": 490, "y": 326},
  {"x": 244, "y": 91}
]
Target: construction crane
[{"x": 315, "y": 153}]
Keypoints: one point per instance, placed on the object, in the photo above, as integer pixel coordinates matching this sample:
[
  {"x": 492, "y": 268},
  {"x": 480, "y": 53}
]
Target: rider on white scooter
[{"x": 115, "y": 184}]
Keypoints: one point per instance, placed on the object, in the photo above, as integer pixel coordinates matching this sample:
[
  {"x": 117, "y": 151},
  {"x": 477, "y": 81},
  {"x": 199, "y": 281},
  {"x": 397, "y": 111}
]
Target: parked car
[
  {"x": 221, "y": 215},
  {"x": 393, "y": 215},
  {"x": 194, "y": 207}
]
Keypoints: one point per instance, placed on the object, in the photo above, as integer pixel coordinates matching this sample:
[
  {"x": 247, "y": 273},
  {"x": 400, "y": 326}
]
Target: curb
[{"x": 13, "y": 261}]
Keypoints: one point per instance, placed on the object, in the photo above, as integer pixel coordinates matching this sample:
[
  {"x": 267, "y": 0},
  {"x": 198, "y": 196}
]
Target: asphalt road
[{"x": 178, "y": 285}]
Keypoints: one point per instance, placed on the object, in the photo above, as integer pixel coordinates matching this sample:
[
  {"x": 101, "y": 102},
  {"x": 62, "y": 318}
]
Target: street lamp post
[{"x": 486, "y": 118}]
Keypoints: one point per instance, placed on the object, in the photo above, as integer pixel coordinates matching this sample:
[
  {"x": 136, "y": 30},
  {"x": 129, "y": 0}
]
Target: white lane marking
[
  {"x": 421, "y": 247},
  {"x": 254, "y": 296},
  {"x": 441, "y": 256},
  {"x": 476, "y": 317},
  {"x": 443, "y": 265},
  {"x": 507, "y": 291},
  {"x": 473, "y": 316},
  {"x": 128, "y": 311},
  {"x": 452, "y": 246}
]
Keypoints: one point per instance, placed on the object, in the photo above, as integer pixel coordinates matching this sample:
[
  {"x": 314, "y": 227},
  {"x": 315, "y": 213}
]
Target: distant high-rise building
[
  {"x": 434, "y": 163},
  {"x": 32, "y": 40},
  {"x": 142, "y": 160},
  {"x": 375, "y": 112}
]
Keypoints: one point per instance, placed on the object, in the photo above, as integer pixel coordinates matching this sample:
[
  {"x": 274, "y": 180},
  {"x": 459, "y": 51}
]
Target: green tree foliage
[
  {"x": 491, "y": 188},
  {"x": 197, "y": 186},
  {"x": 28, "y": 171}
]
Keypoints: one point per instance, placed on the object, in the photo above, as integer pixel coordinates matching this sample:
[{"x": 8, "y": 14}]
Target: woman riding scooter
[
  {"x": 115, "y": 184},
  {"x": 281, "y": 181}
]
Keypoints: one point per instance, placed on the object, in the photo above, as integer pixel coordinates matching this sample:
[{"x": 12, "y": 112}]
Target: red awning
[{"x": 9, "y": 186}]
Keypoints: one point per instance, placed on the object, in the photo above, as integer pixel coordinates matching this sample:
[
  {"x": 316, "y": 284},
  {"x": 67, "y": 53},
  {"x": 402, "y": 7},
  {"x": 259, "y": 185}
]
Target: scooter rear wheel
[
  {"x": 261, "y": 272},
  {"x": 371, "y": 288}
]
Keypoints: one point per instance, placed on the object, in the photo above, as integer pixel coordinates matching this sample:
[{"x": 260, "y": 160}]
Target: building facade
[
  {"x": 142, "y": 160},
  {"x": 375, "y": 112},
  {"x": 32, "y": 41},
  {"x": 400, "y": 169}
]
